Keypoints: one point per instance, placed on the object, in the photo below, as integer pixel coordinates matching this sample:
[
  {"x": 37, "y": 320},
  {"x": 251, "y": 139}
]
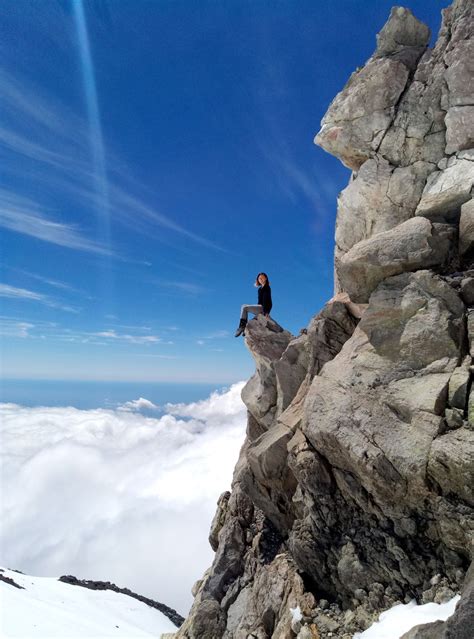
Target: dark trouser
[{"x": 250, "y": 308}]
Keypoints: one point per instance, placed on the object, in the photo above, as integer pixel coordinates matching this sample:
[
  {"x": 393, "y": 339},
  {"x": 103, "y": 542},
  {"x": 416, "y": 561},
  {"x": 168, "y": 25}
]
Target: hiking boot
[{"x": 241, "y": 329}]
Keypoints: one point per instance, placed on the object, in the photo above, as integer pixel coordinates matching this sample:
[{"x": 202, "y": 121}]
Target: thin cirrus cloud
[
  {"x": 13, "y": 292},
  {"x": 206, "y": 339},
  {"x": 15, "y": 327},
  {"x": 22, "y": 215},
  {"x": 54, "y": 144},
  {"x": 50, "y": 282},
  {"x": 134, "y": 339},
  {"x": 9, "y": 328},
  {"x": 181, "y": 286},
  {"x": 220, "y": 334}
]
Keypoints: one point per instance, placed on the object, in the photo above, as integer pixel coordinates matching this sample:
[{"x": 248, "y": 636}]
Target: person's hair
[{"x": 257, "y": 283}]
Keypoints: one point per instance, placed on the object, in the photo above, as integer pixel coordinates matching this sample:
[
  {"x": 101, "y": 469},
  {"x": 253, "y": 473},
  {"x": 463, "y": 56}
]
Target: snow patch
[{"x": 393, "y": 623}]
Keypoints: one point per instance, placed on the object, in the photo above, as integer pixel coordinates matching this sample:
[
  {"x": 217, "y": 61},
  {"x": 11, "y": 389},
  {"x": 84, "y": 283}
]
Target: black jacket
[{"x": 265, "y": 297}]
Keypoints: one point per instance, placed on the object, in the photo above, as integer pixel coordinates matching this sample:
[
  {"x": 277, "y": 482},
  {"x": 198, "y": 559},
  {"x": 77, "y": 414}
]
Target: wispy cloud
[
  {"x": 55, "y": 143},
  {"x": 125, "y": 337},
  {"x": 20, "y": 214},
  {"x": 220, "y": 334},
  {"x": 158, "y": 355},
  {"x": 46, "y": 280},
  {"x": 185, "y": 287},
  {"x": 25, "y": 294},
  {"x": 134, "y": 327},
  {"x": 20, "y": 327},
  {"x": 215, "y": 335},
  {"x": 16, "y": 327},
  {"x": 11, "y": 328}
]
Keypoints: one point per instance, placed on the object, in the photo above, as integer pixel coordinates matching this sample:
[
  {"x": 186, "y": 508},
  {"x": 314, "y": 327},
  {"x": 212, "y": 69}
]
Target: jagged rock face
[
  {"x": 254, "y": 580},
  {"x": 354, "y": 487},
  {"x": 375, "y": 417},
  {"x": 409, "y": 166}
]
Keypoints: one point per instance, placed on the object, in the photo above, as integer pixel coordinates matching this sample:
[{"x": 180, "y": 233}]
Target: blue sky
[{"x": 155, "y": 156}]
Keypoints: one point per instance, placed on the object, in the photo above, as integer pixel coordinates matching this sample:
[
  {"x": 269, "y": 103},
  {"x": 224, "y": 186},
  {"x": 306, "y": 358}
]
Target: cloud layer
[{"x": 116, "y": 494}]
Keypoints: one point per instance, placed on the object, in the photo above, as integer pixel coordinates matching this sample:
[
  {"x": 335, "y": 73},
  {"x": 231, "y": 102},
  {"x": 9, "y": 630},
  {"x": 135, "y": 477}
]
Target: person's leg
[
  {"x": 243, "y": 320},
  {"x": 244, "y": 313},
  {"x": 250, "y": 308}
]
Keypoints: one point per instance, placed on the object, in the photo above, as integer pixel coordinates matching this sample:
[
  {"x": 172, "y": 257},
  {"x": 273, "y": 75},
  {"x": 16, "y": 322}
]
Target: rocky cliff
[{"x": 354, "y": 488}]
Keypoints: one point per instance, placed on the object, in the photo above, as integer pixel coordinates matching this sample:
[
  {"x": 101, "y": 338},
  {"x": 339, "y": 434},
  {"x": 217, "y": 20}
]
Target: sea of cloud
[{"x": 118, "y": 495}]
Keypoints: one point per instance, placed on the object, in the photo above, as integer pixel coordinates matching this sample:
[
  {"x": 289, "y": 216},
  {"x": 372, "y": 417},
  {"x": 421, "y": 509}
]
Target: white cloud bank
[{"x": 116, "y": 495}]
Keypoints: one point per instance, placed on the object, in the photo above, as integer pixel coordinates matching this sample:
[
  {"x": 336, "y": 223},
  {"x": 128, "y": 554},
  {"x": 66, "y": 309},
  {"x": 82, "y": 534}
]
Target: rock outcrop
[{"x": 354, "y": 487}]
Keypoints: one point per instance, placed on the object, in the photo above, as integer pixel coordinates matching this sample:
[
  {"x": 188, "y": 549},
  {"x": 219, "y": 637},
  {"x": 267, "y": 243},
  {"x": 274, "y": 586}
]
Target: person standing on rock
[{"x": 264, "y": 303}]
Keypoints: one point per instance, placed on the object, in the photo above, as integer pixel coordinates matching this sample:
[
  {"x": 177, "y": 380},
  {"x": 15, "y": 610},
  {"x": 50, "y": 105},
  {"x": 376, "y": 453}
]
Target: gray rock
[
  {"x": 470, "y": 330},
  {"x": 378, "y": 199},
  {"x": 470, "y": 411},
  {"x": 450, "y": 463},
  {"x": 446, "y": 191},
  {"x": 270, "y": 483},
  {"x": 417, "y": 132},
  {"x": 267, "y": 455},
  {"x": 466, "y": 232},
  {"x": 362, "y": 111},
  {"x": 425, "y": 631},
  {"x": 458, "y": 385},
  {"x": 459, "y": 128},
  {"x": 467, "y": 154},
  {"x": 414, "y": 244},
  {"x": 324, "y": 338},
  {"x": 454, "y": 418},
  {"x": 467, "y": 286},
  {"x": 460, "y": 73},
  {"x": 218, "y": 520},
  {"x": 267, "y": 341},
  {"x": 402, "y": 37},
  {"x": 291, "y": 370}
]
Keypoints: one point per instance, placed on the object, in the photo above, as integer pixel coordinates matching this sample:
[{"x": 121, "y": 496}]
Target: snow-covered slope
[{"x": 48, "y": 608}]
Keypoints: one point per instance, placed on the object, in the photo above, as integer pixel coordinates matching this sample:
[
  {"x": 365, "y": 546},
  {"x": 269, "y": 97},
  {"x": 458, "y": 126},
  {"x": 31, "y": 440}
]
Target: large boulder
[
  {"x": 361, "y": 113},
  {"x": 378, "y": 199},
  {"x": 446, "y": 191},
  {"x": 414, "y": 244}
]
